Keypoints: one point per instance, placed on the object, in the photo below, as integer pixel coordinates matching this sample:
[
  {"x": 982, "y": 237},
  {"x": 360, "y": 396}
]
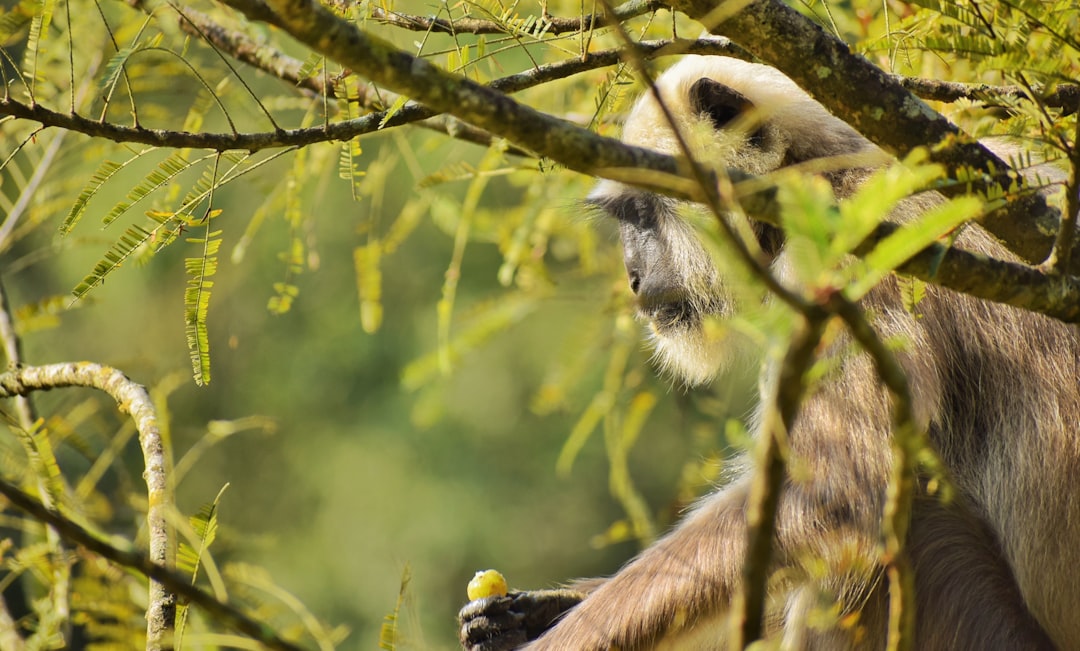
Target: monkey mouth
[
  {"x": 674, "y": 313},
  {"x": 669, "y": 312},
  {"x": 668, "y": 316}
]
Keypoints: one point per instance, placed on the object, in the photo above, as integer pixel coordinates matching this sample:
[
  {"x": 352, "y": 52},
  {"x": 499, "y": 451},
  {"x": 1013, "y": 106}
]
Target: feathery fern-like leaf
[
  {"x": 41, "y": 315},
  {"x": 293, "y": 256},
  {"x": 161, "y": 175},
  {"x": 114, "y": 67},
  {"x": 104, "y": 172},
  {"x": 388, "y": 632},
  {"x": 134, "y": 237},
  {"x": 367, "y": 260},
  {"x": 197, "y": 299},
  {"x": 12, "y": 22},
  {"x": 312, "y": 66},
  {"x": 204, "y": 524}
]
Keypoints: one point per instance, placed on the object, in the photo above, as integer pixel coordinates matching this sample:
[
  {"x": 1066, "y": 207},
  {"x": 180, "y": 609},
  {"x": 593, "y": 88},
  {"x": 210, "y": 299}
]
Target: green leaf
[
  {"x": 911, "y": 238},
  {"x": 189, "y": 558},
  {"x": 161, "y": 175},
  {"x": 104, "y": 173},
  {"x": 388, "y": 632},
  {"x": 197, "y": 300},
  {"x": 491, "y": 318},
  {"x": 12, "y": 22},
  {"x": 312, "y": 66},
  {"x": 134, "y": 237},
  {"x": 445, "y": 307},
  {"x": 367, "y": 259},
  {"x": 114, "y": 67},
  {"x": 620, "y": 440},
  {"x": 393, "y": 110}
]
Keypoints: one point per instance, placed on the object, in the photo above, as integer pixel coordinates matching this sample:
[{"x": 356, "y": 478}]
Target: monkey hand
[{"x": 505, "y": 623}]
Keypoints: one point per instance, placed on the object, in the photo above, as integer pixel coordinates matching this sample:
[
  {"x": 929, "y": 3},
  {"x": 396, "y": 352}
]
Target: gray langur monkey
[{"x": 997, "y": 388}]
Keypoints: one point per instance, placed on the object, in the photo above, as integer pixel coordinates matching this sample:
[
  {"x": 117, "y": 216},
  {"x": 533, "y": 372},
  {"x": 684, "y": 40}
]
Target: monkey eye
[{"x": 640, "y": 209}]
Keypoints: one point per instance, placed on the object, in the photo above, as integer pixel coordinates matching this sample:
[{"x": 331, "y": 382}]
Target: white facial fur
[{"x": 788, "y": 127}]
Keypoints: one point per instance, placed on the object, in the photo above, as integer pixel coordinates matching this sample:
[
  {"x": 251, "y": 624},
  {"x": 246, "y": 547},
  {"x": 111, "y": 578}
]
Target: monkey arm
[{"x": 677, "y": 586}]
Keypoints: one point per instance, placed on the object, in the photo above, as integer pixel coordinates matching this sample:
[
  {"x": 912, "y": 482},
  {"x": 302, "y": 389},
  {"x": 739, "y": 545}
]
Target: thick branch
[
  {"x": 133, "y": 399},
  {"x": 181, "y": 585},
  {"x": 244, "y": 48},
  {"x": 876, "y": 104}
]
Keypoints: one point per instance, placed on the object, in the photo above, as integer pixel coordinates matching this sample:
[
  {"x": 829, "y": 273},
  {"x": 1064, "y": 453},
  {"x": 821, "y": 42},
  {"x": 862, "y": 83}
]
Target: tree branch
[
  {"x": 907, "y": 442},
  {"x": 577, "y": 148},
  {"x": 767, "y": 484},
  {"x": 287, "y": 69},
  {"x": 245, "y": 49},
  {"x": 133, "y": 399},
  {"x": 1064, "y": 96},
  {"x": 181, "y": 585},
  {"x": 546, "y": 24}
]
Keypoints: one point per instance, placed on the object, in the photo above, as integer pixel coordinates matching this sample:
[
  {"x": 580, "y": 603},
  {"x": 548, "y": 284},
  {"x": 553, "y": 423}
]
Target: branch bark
[
  {"x": 546, "y": 25},
  {"x": 771, "y": 459},
  {"x": 133, "y": 399},
  {"x": 1064, "y": 96}
]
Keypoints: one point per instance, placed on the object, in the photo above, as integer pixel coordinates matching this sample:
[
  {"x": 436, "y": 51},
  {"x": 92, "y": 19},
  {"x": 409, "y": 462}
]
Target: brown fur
[{"x": 998, "y": 389}]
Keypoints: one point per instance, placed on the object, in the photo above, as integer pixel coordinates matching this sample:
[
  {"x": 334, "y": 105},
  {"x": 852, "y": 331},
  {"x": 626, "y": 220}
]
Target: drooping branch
[
  {"x": 133, "y": 399},
  {"x": 876, "y": 104},
  {"x": 180, "y": 585}
]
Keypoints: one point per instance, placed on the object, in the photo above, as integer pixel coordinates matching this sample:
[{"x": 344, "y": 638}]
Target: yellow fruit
[{"x": 486, "y": 583}]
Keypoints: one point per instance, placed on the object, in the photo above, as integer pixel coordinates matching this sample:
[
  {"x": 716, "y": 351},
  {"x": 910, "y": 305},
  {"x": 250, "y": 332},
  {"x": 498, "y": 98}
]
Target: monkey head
[{"x": 732, "y": 115}]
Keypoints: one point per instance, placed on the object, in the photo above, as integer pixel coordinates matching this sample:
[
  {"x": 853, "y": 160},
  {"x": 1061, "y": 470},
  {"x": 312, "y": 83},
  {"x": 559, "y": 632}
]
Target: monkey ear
[{"x": 721, "y": 103}]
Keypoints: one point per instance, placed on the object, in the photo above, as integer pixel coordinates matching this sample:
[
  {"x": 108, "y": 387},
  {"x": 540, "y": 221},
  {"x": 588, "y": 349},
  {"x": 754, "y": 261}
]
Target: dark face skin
[{"x": 647, "y": 255}]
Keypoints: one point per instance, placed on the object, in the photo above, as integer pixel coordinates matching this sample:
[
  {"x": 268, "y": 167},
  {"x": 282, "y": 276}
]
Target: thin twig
[
  {"x": 287, "y": 69},
  {"x": 545, "y": 24},
  {"x": 768, "y": 480},
  {"x": 1060, "y": 258},
  {"x": 908, "y": 442}
]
